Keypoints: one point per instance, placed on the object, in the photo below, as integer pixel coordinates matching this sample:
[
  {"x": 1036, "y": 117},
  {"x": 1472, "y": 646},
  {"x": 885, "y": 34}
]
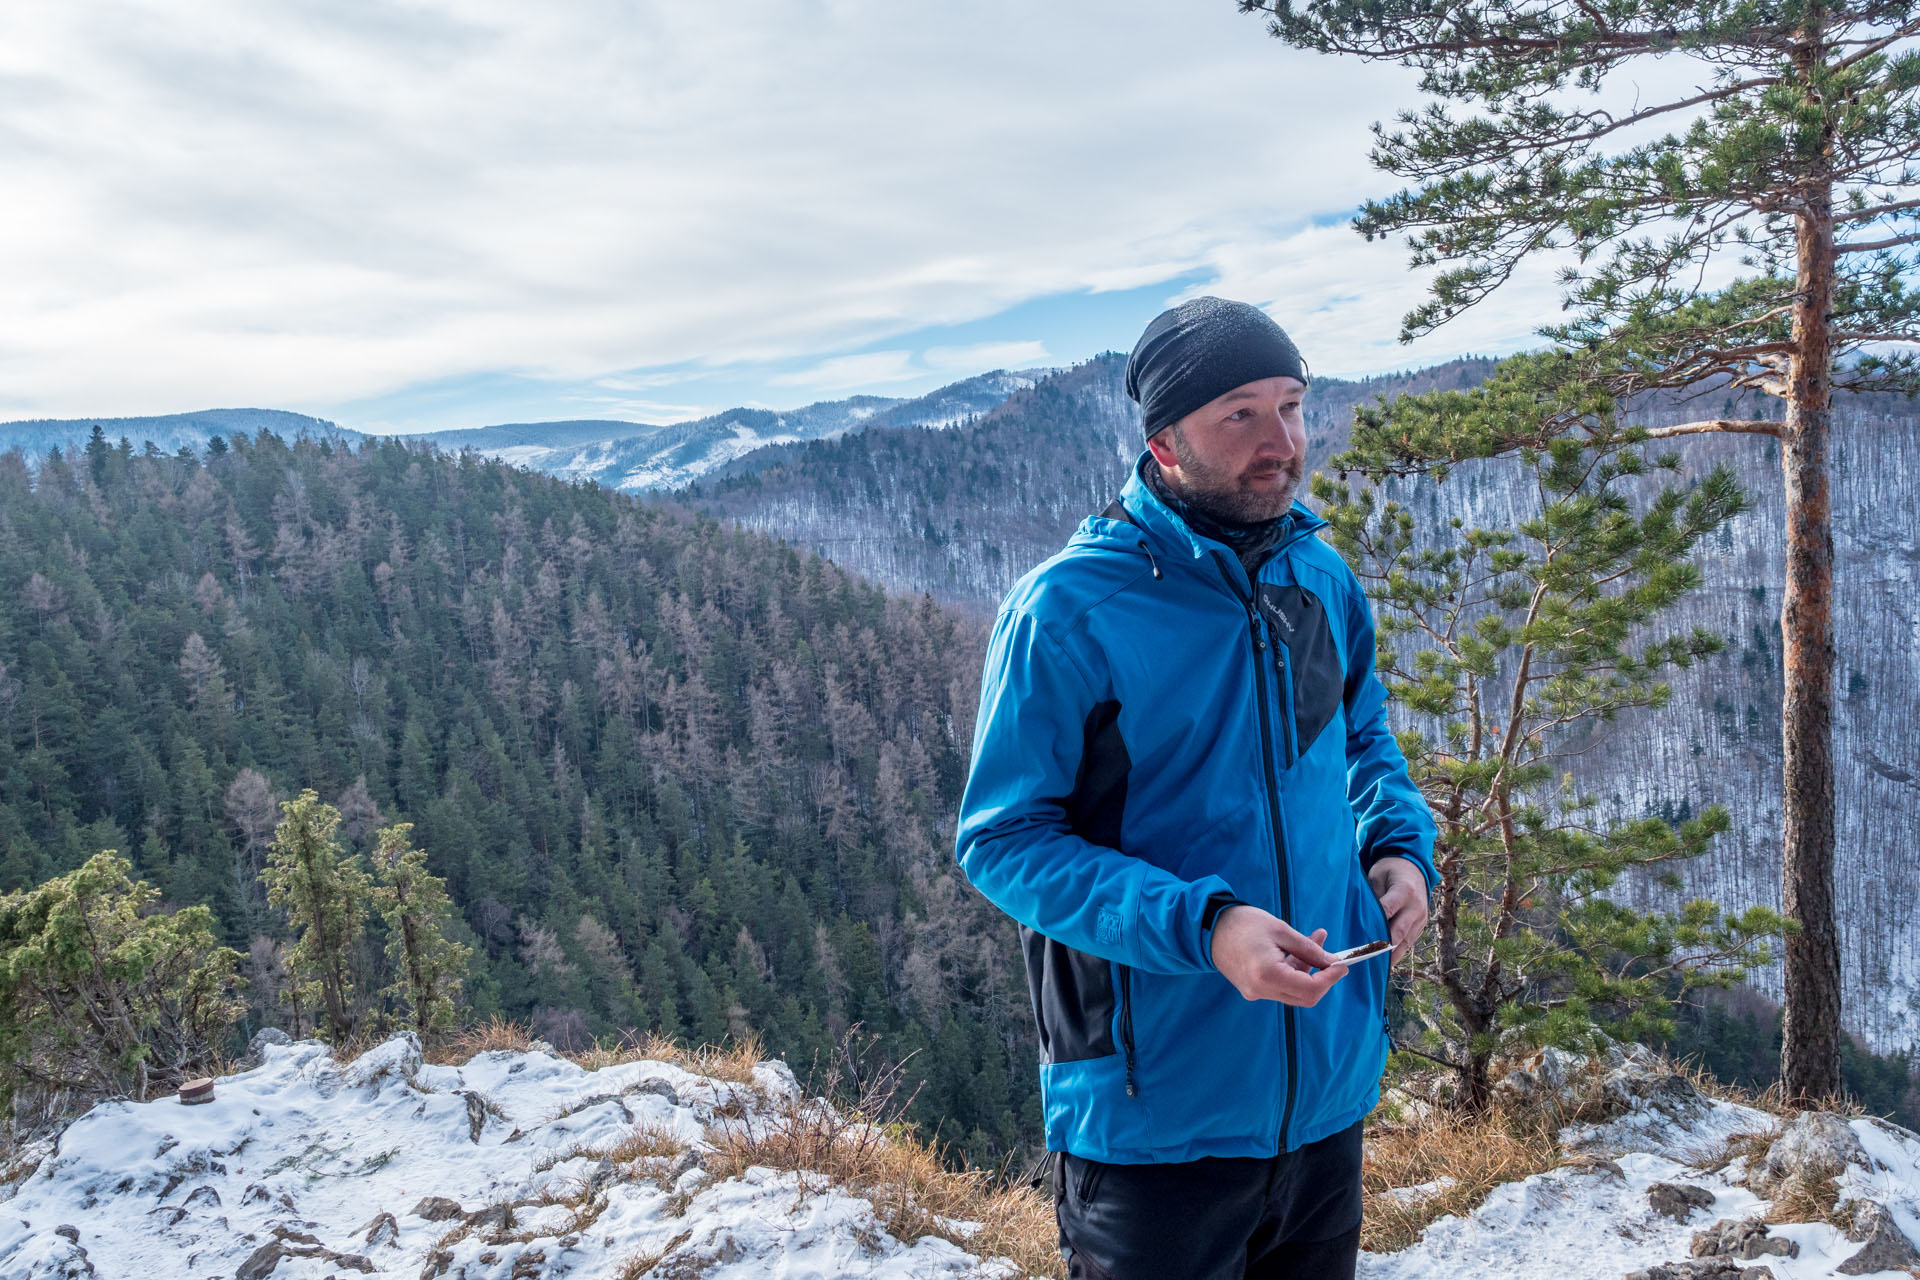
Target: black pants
[{"x": 1295, "y": 1216}]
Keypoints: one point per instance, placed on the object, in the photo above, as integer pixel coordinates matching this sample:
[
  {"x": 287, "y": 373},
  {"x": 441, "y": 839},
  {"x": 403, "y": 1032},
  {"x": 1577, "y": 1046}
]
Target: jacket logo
[{"x": 1107, "y": 928}]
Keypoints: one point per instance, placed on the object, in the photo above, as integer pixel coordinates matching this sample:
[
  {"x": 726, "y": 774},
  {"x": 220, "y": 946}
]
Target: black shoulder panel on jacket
[{"x": 1319, "y": 677}]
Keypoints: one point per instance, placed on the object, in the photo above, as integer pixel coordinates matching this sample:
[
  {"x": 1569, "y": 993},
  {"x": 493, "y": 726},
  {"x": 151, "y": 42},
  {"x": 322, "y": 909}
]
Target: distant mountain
[
  {"x": 636, "y": 456},
  {"x": 34, "y": 436},
  {"x": 962, "y": 513},
  {"x": 545, "y": 435}
]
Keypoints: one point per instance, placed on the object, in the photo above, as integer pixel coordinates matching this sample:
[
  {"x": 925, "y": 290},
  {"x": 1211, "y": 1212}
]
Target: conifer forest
[{"x": 676, "y": 777}]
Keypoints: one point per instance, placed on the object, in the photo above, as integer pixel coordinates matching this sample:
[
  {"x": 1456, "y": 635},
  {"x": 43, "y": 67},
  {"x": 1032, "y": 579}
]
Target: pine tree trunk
[{"x": 1810, "y": 1051}]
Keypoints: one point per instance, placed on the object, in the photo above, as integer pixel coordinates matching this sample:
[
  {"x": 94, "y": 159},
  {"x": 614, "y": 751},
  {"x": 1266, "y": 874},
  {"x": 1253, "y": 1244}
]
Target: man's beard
[{"x": 1220, "y": 495}]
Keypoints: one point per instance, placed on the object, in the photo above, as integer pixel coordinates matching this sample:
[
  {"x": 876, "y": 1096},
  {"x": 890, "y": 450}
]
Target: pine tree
[
  {"x": 1512, "y": 643},
  {"x": 102, "y": 993},
  {"x": 426, "y": 963},
  {"x": 1805, "y": 129},
  {"x": 325, "y": 897}
]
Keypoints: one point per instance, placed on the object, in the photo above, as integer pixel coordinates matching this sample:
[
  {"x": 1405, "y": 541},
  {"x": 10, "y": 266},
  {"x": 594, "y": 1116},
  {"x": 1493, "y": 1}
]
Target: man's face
[{"x": 1238, "y": 458}]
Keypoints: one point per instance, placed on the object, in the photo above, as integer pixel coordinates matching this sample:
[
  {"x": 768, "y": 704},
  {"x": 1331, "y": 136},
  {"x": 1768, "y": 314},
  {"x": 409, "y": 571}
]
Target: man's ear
[{"x": 1160, "y": 445}]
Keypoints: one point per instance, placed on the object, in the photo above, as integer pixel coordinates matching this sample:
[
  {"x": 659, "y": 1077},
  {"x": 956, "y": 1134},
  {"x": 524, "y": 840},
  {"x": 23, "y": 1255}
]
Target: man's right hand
[{"x": 1265, "y": 958}]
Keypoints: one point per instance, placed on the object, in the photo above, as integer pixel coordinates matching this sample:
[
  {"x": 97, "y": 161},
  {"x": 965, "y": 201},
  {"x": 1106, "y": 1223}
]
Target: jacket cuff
[{"x": 1216, "y": 903}]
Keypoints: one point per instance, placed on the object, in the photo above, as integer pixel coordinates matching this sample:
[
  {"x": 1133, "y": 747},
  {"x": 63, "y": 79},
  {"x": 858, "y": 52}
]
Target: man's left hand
[{"x": 1402, "y": 891}]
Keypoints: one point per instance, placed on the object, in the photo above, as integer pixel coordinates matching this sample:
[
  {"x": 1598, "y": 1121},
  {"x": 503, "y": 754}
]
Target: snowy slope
[
  {"x": 302, "y": 1169},
  {"x": 168, "y": 432},
  {"x": 636, "y": 456},
  {"x": 1715, "y": 1167}
]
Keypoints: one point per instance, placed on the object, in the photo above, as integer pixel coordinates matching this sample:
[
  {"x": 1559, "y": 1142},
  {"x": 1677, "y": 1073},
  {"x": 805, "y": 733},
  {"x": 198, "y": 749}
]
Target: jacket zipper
[
  {"x": 1273, "y": 811},
  {"x": 1126, "y": 1025},
  {"x": 1287, "y": 725}
]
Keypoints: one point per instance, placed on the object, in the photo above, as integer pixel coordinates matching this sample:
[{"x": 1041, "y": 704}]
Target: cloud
[
  {"x": 982, "y": 356},
  {"x": 311, "y": 204},
  {"x": 1341, "y": 298},
  {"x": 874, "y": 368}
]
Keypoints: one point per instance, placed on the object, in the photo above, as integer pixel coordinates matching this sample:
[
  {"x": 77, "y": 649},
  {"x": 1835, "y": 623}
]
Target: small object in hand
[
  {"x": 1365, "y": 951},
  {"x": 194, "y": 1092}
]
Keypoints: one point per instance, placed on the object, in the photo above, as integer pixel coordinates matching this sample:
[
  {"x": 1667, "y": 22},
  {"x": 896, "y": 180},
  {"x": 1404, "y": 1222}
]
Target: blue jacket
[{"x": 1157, "y": 737}]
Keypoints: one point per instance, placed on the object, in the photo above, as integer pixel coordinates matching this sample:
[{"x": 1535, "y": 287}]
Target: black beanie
[{"x": 1201, "y": 350}]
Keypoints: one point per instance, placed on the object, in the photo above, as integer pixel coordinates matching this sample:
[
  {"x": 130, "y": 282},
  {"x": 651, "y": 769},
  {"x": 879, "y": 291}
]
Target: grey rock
[
  {"x": 1744, "y": 1240},
  {"x": 1816, "y": 1145},
  {"x": 71, "y": 1264},
  {"x": 492, "y": 1217},
  {"x": 659, "y": 1088},
  {"x": 1556, "y": 1068},
  {"x": 688, "y": 1159},
  {"x": 261, "y": 1262},
  {"x": 352, "y": 1262},
  {"x": 603, "y": 1173},
  {"x": 437, "y": 1209},
  {"x": 476, "y": 1114},
  {"x": 68, "y": 1230},
  {"x": 1886, "y": 1246},
  {"x": 498, "y": 1215},
  {"x": 383, "y": 1229},
  {"x": 1702, "y": 1269},
  {"x": 1678, "y": 1200},
  {"x": 203, "y": 1195},
  {"x": 264, "y": 1037},
  {"x": 1634, "y": 1088},
  {"x": 599, "y": 1098}
]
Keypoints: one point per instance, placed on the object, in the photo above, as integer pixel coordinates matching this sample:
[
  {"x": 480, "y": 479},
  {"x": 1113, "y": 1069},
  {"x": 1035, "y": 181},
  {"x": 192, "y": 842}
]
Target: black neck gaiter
[{"x": 1253, "y": 543}]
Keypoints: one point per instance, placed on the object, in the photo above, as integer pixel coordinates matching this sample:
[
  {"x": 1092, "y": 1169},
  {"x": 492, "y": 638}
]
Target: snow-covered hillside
[
  {"x": 524, "y": 1164},
  {"x": 635, "y": 456},
  {"x": 514, "y": 1165},
  {"x": 168, "y": 432}
]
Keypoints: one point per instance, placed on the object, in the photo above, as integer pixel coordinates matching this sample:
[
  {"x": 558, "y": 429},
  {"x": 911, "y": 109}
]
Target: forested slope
[
  {"x": 961, "y": 513},
  {"x": 636, "y": 746}
]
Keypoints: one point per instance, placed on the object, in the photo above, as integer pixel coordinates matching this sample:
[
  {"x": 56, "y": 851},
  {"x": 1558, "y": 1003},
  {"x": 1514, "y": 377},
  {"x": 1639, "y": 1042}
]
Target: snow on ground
[
  {"x": 302, "y": 1169},
  {"x": 295, "y": 1166},
  {"x": 1593, "y": 1219}
]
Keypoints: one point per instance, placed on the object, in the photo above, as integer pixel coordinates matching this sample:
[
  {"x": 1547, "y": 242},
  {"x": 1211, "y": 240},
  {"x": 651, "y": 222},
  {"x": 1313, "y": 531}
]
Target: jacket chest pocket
[{"x": 1310, "y": 676}]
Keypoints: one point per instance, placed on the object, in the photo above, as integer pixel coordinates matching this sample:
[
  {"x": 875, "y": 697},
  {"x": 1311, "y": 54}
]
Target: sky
[{"x": 412, "y": 215}]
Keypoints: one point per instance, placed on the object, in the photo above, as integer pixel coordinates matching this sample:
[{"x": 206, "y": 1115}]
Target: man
[{"x": 1183, "y": 785}]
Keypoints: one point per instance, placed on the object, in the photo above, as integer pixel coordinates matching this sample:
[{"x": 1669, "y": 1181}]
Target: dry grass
[
  {"x": 496, "y": 1033},
  {"x": 633, "y": 1046},
  {"x": 913, "y": 1193},
  {"x": 865, "y": 1149},
  {"x": 642, "y": 1142},
  {"x": 732, "y": 1062},
  {"x": 1809, "y": 1200},
  {"x": 640, "y": 1264},
  {"x": 1477, "y": 1152},
  {"x": 1750, "y": 1146}
]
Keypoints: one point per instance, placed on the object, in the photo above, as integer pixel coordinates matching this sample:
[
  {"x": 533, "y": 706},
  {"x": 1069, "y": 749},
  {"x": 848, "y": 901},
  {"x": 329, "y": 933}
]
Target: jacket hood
[{"x": 1165, "y": 533}]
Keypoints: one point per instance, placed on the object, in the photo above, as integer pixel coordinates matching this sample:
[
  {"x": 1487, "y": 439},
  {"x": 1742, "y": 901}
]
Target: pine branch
[
  {"x": 1738, "y": 426},
  {"x": 1874, "y": 246},
  {"x": 1875, "y": 211}
]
